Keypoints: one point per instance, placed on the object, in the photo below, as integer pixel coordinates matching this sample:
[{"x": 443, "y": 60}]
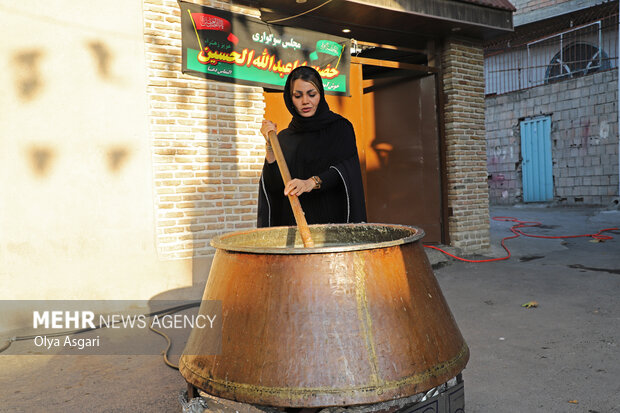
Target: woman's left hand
[{"x": 299, "y": 186}]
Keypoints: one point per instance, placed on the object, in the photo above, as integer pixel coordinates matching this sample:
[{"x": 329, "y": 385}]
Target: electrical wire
[
  {"x": 516, "y": 229},
  {"x": 300, "y": 14},
  {"x": 170, "y": 310},
  {"x": 165, "y": 352}
]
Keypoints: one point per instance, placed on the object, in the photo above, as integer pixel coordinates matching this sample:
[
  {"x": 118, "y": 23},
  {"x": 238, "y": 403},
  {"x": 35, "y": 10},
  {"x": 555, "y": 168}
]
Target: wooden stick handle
[{"x": 300, "y": 218}]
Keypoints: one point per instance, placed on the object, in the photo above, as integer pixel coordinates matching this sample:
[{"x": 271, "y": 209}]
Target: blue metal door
[{"x": 537, "y": 165}]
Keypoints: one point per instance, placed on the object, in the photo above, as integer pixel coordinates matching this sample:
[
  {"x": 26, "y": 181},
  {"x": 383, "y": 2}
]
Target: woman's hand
[
  {"x": 299, "y": 186},
  {"x": 267, "y": 127}
]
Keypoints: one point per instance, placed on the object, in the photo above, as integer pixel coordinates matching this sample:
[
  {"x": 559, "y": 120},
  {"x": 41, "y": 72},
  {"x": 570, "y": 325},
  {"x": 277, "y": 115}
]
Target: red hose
[{"x": 516, "y": 229}]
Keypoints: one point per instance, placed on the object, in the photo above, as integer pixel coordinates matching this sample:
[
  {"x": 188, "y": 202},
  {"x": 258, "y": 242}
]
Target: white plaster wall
[{"x": 76, "y": 205}]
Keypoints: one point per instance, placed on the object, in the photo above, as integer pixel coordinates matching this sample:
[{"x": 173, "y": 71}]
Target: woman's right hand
[{"x": 267, "y": 127}]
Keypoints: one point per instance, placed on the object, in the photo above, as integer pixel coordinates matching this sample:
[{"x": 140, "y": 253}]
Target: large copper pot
[{"x": 358, "y": 319}]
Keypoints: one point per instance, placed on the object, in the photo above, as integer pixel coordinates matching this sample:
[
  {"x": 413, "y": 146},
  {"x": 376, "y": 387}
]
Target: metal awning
[{"x": 410, "y": 23}]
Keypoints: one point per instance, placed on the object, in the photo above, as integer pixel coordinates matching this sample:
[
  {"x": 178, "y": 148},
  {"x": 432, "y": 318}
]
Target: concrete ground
[{"x": 562, "y": 356}]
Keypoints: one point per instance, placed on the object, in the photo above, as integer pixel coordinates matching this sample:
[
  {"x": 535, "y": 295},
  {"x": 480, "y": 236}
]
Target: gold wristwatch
[{"x": 317, "y": 182}]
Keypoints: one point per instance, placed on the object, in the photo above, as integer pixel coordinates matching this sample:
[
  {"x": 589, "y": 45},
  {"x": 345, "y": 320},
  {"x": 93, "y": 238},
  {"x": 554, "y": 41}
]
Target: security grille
[{"x": 571, "y": 53}]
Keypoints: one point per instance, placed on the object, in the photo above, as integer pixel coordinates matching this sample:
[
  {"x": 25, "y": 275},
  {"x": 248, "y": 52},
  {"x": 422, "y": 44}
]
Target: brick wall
[
  {"x": 462, "y": 66},
  {"x": 584, "y": 139},
  {"x": 529, "y": 11},
  {"x": 207, "y": 148},
  {"x": 525, "y": 6}
]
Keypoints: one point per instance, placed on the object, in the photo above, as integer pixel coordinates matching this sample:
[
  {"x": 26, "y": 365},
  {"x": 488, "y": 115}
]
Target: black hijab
[
  {"x": 314, "y": 143},
  {"x": 323, "y": 115}
]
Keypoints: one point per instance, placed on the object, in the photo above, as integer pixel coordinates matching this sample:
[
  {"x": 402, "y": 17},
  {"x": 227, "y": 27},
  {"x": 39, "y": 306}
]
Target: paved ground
[
  {"x": 522, "y": 360},
  {"x": 567, "y": 349}
]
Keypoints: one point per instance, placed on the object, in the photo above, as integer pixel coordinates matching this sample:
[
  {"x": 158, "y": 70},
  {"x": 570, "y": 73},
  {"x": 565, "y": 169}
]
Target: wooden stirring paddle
[{"x": 300, "y": 218}]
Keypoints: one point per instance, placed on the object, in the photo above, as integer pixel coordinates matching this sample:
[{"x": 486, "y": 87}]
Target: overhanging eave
[{"x": 399, "y": 22}]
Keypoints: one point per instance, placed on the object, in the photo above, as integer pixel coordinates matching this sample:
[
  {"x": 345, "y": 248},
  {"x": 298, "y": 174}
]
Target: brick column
[
  {"x": 207, "y": 147},
  {"x": 466, "y": 161}
]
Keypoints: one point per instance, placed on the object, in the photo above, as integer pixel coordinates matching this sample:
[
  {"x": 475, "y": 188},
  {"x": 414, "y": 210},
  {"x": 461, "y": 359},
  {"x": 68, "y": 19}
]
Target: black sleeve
[
  {"x": 272, "y": 177},
  {"x": 269, "y": 197},
  {"x": 332, "y": 176},
  {"x": 348, "y": 172}
]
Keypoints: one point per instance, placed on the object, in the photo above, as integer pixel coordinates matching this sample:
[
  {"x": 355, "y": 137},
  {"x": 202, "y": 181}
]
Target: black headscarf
[
  {"x": 322, "y": 117},
  {"x": 322, "y": 144}
]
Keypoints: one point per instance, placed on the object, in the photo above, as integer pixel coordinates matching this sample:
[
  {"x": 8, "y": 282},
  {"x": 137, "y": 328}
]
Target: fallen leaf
[
  {"x": 573, "y": 401},
  {"x": 530, "y": 304}
]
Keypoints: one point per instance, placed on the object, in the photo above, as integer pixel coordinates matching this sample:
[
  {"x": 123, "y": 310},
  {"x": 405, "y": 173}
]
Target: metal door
[
  {"x": 402, "y": 154},
  {"x": 537, "y": 164}
]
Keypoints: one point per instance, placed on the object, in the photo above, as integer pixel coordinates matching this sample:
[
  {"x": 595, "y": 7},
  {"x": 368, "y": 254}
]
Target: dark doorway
[{"x": 402, "y": 153}]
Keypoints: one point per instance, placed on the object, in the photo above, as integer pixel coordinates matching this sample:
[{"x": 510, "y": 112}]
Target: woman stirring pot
[{"x": 321, "y": 154}]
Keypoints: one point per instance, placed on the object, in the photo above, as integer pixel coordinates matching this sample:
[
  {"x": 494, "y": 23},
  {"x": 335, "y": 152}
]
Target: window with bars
[{"x": 573, "y": 52}]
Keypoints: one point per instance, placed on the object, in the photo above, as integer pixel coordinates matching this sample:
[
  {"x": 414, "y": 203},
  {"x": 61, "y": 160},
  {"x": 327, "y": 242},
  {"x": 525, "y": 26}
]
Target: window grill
[{"x": 574, "y": 52}]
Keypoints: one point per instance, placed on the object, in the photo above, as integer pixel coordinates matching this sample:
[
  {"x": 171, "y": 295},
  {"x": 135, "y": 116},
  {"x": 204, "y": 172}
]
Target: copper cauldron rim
[{"x": 230, "y": 241}]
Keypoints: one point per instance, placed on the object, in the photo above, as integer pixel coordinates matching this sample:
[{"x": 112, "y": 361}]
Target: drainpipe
[{"x": 618, "y": 99}]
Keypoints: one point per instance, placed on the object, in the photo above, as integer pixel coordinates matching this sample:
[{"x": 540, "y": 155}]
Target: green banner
[
  {"x": 327, "y": 47},
  {"x": 236, "y": 48}
]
